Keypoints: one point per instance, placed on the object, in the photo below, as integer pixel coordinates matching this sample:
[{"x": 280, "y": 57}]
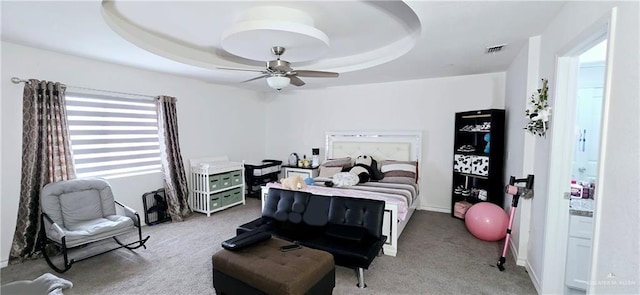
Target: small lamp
[{"x": 278, "y": 82}]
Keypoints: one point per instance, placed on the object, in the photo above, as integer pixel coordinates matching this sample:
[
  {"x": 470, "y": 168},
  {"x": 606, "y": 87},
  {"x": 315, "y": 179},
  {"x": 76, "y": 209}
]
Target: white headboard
[{"x": 382, "y": 145}]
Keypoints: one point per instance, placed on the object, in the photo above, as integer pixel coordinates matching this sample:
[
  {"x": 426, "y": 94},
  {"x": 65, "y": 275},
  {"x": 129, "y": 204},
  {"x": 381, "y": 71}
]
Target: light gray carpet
[{"x": 437, "y": 255}]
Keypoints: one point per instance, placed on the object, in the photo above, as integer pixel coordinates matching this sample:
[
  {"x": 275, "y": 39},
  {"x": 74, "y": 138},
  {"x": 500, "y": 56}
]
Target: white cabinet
[
  {"x": 579, "y": 252},
  {"x": 303, "y": 172},
  {"x": 215, "y": 184}
]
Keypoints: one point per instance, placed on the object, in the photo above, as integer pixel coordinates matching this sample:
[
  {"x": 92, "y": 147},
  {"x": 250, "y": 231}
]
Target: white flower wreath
[{"x": 538, "y": 111}]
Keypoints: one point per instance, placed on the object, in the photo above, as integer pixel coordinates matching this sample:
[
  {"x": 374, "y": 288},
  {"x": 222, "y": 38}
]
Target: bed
[{"x": 401, "y": 199}]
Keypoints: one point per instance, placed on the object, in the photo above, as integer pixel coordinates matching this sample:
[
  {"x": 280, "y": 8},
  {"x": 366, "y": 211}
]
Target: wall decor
[{"x": 538, "y": 111}]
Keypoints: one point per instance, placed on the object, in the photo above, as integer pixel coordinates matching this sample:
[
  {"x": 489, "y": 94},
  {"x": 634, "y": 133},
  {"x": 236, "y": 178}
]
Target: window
[{"x": 113, "y": 136}]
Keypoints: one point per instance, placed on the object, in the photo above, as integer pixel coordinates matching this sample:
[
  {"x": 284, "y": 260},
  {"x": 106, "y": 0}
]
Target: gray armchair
[{"x": 81, "y": 211}]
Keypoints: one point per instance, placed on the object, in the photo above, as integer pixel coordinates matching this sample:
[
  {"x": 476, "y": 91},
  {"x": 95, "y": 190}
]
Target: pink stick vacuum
[{"x": 516, "y": 192}]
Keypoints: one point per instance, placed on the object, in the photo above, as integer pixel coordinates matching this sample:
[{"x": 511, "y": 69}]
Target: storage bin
[
  {"x": 232, "y": 196},
  {"x": 480, "y": 165},
  {"x": 225, "y": 180},
  {"x": 225, "y": 198},
  {"x": 236, "y": 177},
  {"x": 214, "y": 182},
  {"x": 236, "y": 195},
  {"x": 462, "y": 163},
  {"x": 215, "y": 201},
  {"x": 460, "y": 209}
]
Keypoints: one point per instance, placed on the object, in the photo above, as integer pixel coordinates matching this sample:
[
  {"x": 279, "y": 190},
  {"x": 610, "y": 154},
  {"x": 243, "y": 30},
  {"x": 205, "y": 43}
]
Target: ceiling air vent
[{"x": 495, "y": 49}]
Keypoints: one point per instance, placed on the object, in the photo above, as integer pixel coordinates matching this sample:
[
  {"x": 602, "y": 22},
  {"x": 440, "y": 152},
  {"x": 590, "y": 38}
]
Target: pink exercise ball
[{"x": 487, "y": 221}]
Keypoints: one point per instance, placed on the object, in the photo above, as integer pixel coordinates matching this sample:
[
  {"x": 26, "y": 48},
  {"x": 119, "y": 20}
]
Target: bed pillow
[
  {"x": 329, "y": 172},
  {"x": 399, "y": 171},
  {"x": 344, "y": 163}
]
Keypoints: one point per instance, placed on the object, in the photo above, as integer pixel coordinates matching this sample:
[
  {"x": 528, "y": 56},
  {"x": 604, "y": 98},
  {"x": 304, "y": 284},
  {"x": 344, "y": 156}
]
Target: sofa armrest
[
  {"x": 245, "y": 240},
  {"x": 252, "y": 225}
]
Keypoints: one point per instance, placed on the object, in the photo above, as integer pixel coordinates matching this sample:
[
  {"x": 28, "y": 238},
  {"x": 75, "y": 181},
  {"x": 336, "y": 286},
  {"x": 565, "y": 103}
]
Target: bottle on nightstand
[
  {"x": 315, "y": 160},
  {"x": 305, "y": 162}
]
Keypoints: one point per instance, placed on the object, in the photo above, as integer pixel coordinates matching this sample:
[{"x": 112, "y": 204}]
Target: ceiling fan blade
[
  {"x": 319, "y": 74},
  {"x": 238, "y": 69},
  {"x": 296, "y": 81},
  {"x": 256, "y": 78}
]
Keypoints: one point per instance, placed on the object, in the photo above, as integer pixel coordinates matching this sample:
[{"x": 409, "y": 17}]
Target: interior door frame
[{"x": 561, "y": 151}]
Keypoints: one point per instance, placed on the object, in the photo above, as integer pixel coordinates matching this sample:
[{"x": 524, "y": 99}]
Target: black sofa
[{"x": 348, "y": 228}]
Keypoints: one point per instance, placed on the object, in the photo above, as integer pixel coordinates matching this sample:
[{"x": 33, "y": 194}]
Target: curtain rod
[{"x": 17, "y": 80}]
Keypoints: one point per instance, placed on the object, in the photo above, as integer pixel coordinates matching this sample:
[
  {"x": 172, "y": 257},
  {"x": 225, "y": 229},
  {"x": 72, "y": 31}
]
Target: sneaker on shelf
[
  {"x": 467, "y": 128},
  {"x": 482, "y": 194},
  {"x": 466, "y": 148},
  {"x": 458, "y": 190},
  {"x": 486, "y": 126},
  {"x": 466, "y": 192}
]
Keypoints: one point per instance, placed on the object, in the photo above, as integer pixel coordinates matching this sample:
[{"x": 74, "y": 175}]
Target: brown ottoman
[{"x": 264, "y": 269}]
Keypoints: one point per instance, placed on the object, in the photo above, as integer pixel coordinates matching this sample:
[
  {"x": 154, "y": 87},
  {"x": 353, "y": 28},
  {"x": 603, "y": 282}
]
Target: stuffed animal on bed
[
  {"x": 293, "y": 183},
  {"x": 364, "y": 170}
]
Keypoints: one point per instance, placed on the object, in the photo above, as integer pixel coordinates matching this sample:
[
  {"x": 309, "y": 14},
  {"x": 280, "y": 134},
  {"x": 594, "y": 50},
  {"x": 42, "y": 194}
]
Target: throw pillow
[
  {"x": 345, "y": 163},
  {"x": 399, "y": 171},
  {"x": 329, "y": 172}
]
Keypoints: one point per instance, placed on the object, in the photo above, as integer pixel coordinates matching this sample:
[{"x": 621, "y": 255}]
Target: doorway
[
  {"x": 590, "y": 90},
  {"x": 584, "y": 171},
  {"x": 564, "y": 156}
]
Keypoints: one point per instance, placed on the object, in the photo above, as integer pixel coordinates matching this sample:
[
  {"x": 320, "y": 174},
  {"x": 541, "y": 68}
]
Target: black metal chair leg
[
  {"x": 67, "y": 263},
  {"x": 141, "y": 243}
]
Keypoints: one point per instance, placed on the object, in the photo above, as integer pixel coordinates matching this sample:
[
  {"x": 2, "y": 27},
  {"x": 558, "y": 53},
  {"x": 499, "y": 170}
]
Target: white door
[{"x": 588, "y": 116}]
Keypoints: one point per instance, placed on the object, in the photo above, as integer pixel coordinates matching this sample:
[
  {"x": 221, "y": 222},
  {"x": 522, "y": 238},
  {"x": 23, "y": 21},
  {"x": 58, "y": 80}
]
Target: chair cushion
[
  {"x": 79, "y": 207},
  {"x": 95, "y": 229}
]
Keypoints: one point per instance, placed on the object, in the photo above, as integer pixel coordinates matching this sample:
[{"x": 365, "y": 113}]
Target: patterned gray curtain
[
  {"x": 175, "y": 180},
  {"x": 46, "y": 157}
]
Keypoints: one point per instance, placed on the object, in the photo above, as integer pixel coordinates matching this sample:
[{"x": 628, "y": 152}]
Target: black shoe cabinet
[{"x": 478, "y": 174}]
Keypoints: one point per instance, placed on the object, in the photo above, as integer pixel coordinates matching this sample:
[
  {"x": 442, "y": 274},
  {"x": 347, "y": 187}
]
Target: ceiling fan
[{"x": 279, "y": 73}]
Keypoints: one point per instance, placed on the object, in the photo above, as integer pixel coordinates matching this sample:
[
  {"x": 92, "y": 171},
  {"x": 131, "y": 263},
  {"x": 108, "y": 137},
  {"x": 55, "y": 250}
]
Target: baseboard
[
  {"x": 514, "y": 252},
  {"x": 533, "y": 277},
  {"x": 436, "y": 209},
  {"x": 4, "y": 263}
]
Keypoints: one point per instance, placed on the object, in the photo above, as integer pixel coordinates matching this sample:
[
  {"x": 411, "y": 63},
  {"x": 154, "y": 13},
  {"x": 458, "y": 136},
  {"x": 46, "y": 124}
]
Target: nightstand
[{"x": 305, "y": 173}]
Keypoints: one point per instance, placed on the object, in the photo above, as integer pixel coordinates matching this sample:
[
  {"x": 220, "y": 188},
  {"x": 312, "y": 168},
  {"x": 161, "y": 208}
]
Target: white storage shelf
[{"x": 216, "y": 184}]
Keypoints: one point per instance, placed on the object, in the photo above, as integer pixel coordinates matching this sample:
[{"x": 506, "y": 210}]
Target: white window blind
[{"x": 113, "y": 136}]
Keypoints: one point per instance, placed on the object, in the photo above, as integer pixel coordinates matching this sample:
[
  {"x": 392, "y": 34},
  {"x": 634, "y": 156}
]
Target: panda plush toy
[{"x": 365, "y": 169}]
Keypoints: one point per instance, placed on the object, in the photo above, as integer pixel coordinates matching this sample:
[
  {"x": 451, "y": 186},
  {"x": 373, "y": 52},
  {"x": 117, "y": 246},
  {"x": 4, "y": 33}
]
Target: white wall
[
  {"x": 521, "y": 82},
  {"x": 213, "y": 119},
  {"x": 297, "y": 121},
  {"x": 617, "y": 236}
]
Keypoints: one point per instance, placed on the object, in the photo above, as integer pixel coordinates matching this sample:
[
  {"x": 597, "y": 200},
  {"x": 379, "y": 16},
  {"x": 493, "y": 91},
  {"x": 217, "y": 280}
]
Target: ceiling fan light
[{"x": 278, "y": 82}]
